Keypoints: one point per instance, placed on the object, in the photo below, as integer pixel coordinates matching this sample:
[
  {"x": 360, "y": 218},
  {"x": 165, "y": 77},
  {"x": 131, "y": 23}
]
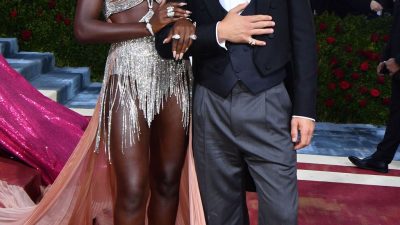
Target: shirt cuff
[
  {"x": 303, "y": 117},
  {"x": 222, "y": 44}
]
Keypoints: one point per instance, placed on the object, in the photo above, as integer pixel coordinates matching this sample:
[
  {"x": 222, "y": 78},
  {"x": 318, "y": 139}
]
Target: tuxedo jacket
[
  {"x": 291, "y": 46},
  {"x": 392, "y": 49}
]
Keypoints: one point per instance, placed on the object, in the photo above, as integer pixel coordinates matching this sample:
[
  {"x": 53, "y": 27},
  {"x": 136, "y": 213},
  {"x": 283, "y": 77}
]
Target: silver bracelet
[{"x": 149, "y": 27}]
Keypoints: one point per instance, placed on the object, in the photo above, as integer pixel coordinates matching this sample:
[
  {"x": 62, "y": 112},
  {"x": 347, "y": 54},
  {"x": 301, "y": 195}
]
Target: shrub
[
  {"x": 47, "y": 26},
  {"x": 349, "y": 91}
]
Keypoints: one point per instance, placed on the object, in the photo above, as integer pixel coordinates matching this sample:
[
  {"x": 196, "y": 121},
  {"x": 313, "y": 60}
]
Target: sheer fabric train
[{"x": 83, "y": 193}]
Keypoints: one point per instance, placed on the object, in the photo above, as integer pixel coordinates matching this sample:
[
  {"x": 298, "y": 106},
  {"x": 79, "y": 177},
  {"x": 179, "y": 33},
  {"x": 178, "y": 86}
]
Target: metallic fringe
[{"x": 143, "y": 81}]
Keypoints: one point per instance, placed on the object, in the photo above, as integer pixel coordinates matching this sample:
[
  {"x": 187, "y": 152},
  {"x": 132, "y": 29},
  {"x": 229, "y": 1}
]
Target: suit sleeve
[{"x": 304, "y": 58}]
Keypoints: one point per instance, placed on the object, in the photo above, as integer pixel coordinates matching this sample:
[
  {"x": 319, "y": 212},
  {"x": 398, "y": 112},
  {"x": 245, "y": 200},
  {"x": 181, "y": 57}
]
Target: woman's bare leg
[
  {"x": 131, "y": 167},
  {"x": 167, "y": 156}
]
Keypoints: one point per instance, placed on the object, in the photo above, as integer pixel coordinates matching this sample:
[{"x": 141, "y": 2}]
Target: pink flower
[
  {"x": 362, "y": 103},
  {"x": 330, "y": 40},
  {"x": 331, "y": 86},
  {"x": 67, "y": 22},
  {"x": 52, "y": 4},
  {"x": 59, "y": 18},
  {"x": 329, "y": 103},
  {"x": 26, "y": 35},
  {"x": 13, "y": 13},
  {"x": 380, "y": 79},
  {"x": 374, "y": 92},
  {"x": 374, "y": 37},
  {"x": 345, "y": 85},
  {"x": 364, "y": 66},
  {"x": 355, "y": 76},
  {"x": 323, "y": 27},
  {"x": 339, "y": 73},
  {"x": 386, "y": 101}
]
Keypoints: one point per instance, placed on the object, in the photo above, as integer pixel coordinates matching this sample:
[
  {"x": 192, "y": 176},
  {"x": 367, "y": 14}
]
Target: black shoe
[{"x": 370, "y": 163}]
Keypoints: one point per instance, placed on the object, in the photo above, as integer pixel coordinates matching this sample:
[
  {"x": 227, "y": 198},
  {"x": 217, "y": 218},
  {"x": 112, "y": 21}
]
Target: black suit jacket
[
  {"x": 293, "y": 43},
  {"x": 392, "y": 49}
]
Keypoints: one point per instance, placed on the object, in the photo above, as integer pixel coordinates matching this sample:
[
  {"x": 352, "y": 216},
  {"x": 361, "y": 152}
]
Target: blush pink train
[{"x": 83, "y": 193}]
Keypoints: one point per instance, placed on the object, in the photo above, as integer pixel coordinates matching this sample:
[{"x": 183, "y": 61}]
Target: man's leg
[
  {"x": 388, "y": 146},
  {"x": 264, "y": 138},
  {"x": 219, "y": 164}
]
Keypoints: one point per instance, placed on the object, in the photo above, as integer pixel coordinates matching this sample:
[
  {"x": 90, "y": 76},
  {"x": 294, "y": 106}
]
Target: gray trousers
[{"x": 245, "y": 131}]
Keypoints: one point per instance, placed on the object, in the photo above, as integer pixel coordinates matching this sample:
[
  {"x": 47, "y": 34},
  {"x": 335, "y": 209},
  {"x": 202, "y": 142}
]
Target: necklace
[{"x": 150, "y": 13}]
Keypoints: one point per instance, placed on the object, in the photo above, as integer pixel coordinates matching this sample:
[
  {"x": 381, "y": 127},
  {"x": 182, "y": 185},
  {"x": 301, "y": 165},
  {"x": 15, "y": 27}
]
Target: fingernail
[
  {"x": 186, "y": 49},
  {"x": 182, "y": 3},
  {"x": 181, "y": 56},
  {"x": 174, "y": 54},
  {"x": 165, "y": 41},
  {"x": 188, "y": 12}
]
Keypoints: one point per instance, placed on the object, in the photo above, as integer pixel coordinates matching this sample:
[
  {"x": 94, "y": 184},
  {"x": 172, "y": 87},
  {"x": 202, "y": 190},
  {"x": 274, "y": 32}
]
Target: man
[
  {"x": 243, "y": 118},
  {"x": 386, "y": 149}
]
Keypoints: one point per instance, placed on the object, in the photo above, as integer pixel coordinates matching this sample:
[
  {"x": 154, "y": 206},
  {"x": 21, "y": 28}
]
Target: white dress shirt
[{"x": 228, "y": 5}]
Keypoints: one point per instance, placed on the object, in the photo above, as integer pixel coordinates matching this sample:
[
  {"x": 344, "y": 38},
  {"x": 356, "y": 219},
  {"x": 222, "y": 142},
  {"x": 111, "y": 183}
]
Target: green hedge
[
  {"x": 47, "y": 26},
  {"x": 349, "y": 90}
]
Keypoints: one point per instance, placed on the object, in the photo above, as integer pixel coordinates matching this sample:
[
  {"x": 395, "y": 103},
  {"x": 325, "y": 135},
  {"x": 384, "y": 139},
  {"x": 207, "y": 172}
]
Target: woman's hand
[
  {"x": 161, "y": 18},
  {"x": 185, "y": 30}
]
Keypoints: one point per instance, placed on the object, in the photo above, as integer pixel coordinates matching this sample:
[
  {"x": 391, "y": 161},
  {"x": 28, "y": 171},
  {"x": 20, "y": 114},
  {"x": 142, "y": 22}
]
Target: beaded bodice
[{"x": 116, "y": 6}]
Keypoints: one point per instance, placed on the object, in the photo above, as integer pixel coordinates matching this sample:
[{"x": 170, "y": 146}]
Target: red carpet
[
  {"x": 326, "y": 203},
  {"x": 330, "y": 203}
]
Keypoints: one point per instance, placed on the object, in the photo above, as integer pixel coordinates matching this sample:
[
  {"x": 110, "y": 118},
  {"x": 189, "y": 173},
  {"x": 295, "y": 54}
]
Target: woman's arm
[{"x": 89, "y": 28}]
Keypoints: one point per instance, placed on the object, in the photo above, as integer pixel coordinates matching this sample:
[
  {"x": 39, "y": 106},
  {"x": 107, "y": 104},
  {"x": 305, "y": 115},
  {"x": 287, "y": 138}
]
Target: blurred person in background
[{"x": 390, "y": 66}]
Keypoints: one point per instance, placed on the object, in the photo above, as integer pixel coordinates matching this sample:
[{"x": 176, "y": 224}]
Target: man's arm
[{"x": 304, "y": 60}]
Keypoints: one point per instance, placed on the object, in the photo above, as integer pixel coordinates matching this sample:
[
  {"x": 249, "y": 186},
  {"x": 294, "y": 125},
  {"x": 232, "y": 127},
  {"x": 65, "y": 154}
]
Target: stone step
[
  {"x": 67, "y": 85},
  {"x": 28, "y": 68},
  {"x": 2, "y": 48},
  {"x": 83, "y": 71},
  {"x": 86, "y": 99},
  {"x": 10, "y": 46},
  {"x": 46, "y": 60}
]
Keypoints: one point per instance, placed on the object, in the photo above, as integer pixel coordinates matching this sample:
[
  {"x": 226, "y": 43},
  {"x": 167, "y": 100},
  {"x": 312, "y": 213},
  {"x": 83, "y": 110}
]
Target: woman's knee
[
  {"x": 167, "y": 182},
  {"x": 132, "y": 198}
]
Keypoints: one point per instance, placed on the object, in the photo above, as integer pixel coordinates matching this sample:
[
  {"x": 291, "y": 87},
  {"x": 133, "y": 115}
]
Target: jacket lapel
[
  {"x": 262, "y": 6},
  {"x": 215, "y": 9}
]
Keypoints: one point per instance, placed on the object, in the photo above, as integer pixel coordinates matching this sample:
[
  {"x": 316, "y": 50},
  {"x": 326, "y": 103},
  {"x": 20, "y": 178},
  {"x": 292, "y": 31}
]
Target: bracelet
[{"x": 149, "y": 27}]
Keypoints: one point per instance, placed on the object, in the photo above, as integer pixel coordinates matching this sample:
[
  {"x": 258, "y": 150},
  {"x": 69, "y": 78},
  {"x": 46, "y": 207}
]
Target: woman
[
  {"x": 140, "y": 123},
  {"x": 33, "y": 128}
]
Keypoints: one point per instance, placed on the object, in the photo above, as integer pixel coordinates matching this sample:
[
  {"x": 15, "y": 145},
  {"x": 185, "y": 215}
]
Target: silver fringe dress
[{"x": 143, "y": 80}]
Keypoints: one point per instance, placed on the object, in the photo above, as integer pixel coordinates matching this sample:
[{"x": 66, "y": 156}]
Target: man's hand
[
  {"x": 240, "y": 29},
  {"x": 379, "y": 68},
  {"x": 392, "y": 66},
  {"x": 376, "y": 6},
  {"x": 302, "y": 132}
]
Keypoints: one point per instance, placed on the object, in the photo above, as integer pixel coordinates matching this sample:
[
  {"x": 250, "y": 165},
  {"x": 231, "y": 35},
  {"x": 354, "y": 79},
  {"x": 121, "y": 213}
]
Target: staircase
[{"x": 69, "y": 86}]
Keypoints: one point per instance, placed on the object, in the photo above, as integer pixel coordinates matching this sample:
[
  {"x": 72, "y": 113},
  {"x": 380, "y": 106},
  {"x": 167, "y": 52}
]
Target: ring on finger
[
  {"x": 252, "y": 41},
  {"x": 170, "y": 14},
  {"x": 193, "y": 37},
  {"x": 176, "y": 36},
  {"x": 170, "y": 9}
]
